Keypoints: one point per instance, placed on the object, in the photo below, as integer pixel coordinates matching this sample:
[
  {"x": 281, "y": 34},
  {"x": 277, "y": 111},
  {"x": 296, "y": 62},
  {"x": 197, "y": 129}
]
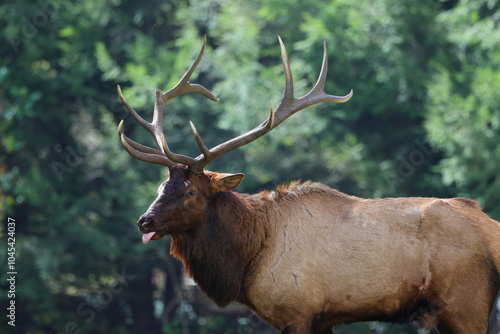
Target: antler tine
[
  {"x": 184, "y": 86},
  {"x": 290, "y": 105},
  {"x": 134, "y": 113},
  {"x": 142, "y": 152},
  {"x": 288, "y": 93},
  {"x": 317, "y": 94}
]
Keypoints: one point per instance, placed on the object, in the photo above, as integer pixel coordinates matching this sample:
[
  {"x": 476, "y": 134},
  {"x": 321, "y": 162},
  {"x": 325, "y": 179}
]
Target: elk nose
[{"x": 146, "y": 220}]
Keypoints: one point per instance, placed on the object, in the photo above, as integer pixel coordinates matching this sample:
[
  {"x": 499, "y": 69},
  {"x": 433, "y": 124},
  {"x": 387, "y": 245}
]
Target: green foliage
[
  {"x": 424, "y": 121},
  {"x": 464, "y": 107}
]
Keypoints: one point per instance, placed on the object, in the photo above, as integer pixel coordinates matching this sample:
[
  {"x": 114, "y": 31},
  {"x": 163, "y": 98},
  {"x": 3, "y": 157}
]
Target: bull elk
[{"x": 305, "y": 257}]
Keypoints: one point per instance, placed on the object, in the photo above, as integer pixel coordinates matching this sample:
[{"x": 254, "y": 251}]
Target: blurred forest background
[{"x": 424, "y": 121}]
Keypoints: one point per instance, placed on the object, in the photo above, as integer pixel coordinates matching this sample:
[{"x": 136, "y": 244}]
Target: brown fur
[{"x": 306, "y": 257}]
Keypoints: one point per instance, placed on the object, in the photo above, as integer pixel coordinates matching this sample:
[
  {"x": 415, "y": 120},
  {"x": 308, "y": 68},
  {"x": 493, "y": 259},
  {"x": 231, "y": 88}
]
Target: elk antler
[
  {"x": 155, "y": 128},
  {"x": 287, "y": 107}
]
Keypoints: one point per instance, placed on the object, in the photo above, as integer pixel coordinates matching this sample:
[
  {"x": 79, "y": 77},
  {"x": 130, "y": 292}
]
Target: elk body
[{"x": 305, "y": 257}]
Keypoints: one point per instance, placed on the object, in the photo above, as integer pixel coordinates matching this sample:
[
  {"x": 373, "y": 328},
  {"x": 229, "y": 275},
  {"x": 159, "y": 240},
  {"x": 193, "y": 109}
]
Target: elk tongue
[{"x": 147, "y": 236}]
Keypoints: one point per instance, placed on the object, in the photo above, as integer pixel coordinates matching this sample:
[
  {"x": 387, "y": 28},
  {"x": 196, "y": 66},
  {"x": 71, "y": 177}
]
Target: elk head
[
  {"x": 185, "y": 196},
  {"x": 182, "y": 201}
]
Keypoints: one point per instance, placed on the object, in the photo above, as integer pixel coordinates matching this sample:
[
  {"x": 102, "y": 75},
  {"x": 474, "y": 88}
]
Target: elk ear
[{"x": 224, "y": 182}]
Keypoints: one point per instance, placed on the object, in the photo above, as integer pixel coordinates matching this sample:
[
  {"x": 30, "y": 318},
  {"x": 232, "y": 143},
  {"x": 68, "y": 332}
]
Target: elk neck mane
[{"x": 221, "y": 255}]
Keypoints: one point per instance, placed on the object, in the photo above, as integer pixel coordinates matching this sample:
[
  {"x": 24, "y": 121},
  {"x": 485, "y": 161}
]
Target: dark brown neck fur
[{"x": 218, "y": 255}]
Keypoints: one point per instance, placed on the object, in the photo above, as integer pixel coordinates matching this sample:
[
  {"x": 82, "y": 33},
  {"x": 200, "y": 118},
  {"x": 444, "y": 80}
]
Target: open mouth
[{"x": 146, "y": 237}]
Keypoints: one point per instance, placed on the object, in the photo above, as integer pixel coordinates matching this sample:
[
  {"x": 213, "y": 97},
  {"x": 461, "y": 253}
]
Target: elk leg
[{"x": 465, "y": 308}]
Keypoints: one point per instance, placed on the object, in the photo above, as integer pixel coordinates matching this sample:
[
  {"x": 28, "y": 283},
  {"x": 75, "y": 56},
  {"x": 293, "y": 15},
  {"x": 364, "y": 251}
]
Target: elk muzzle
[{"x": 146, "y": 223}]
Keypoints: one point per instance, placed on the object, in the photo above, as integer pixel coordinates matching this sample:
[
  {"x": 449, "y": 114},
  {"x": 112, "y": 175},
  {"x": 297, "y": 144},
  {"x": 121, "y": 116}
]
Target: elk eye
[{"x": 192, "y": 192}]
